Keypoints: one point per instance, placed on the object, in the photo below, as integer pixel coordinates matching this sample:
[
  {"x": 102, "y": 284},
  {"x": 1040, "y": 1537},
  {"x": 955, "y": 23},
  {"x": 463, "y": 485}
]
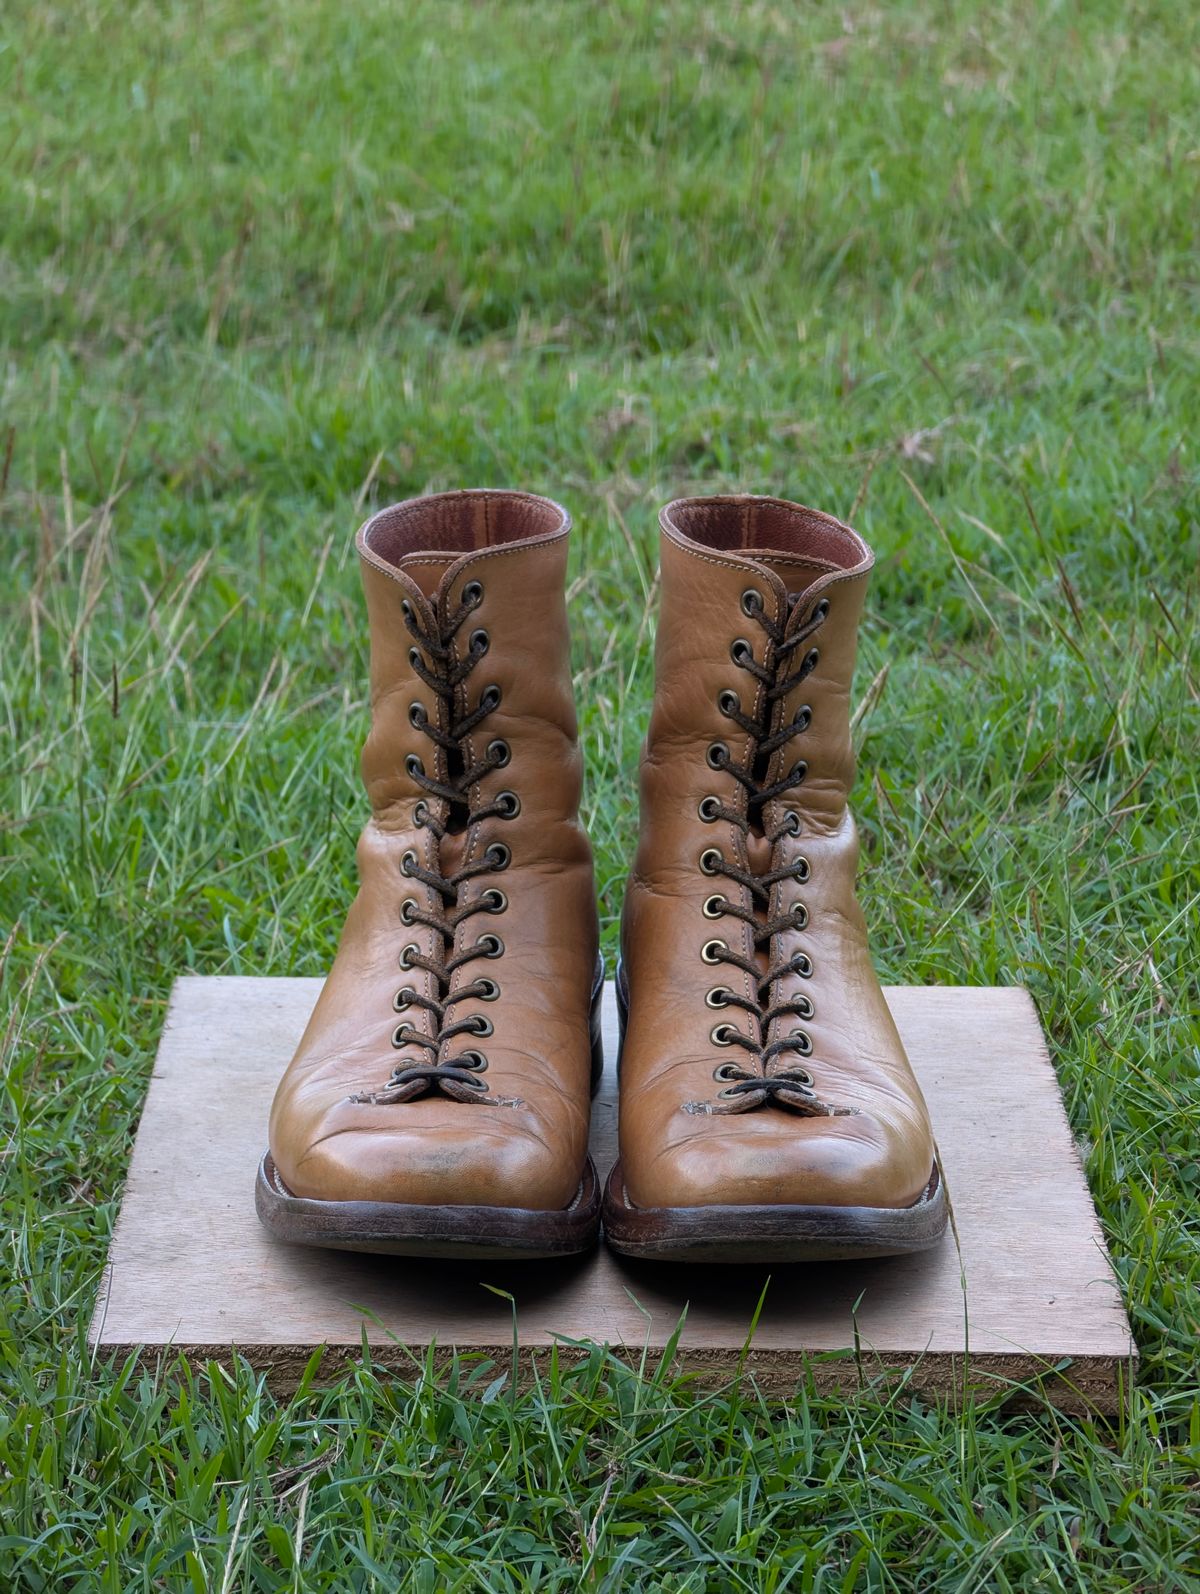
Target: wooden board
[{"x": 1018, "y": 1301}]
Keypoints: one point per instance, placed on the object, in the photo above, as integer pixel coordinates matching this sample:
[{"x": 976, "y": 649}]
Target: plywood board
[{"x": 1018, "y": 1301}]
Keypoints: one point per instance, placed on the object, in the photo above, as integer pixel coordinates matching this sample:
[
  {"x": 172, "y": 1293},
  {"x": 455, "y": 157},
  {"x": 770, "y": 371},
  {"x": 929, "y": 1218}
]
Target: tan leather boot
[
  {"x": 438, "y": 1104},
  {"x": 768, "y": 1111}
]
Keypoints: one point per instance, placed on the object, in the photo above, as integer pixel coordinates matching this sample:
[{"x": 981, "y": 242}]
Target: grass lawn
[{"x": 265, "y": 265}]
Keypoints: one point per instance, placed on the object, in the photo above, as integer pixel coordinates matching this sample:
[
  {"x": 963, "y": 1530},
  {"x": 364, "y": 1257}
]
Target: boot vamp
[
  {"x": 524, "y": 1144},
  {"x": 876, "y": 1151}
]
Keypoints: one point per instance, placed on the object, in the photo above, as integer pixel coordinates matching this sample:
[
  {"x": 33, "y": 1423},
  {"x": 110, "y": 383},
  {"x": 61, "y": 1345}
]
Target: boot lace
[
  {"x": 433, "y": 659},
  {"x": 769, "y": 1077}
]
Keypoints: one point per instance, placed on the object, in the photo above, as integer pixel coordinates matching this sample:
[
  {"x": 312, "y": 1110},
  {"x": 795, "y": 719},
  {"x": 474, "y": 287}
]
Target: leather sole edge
[
  {"x": 393, "y": 1228},
  {"x": 755, "y": 1234}
]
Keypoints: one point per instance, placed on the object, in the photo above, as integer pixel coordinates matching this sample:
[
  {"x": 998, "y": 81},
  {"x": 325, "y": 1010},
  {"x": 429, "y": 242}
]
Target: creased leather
[
  {"x": 878, "y": 1151},
  {"x": 435, "y": 1150}
]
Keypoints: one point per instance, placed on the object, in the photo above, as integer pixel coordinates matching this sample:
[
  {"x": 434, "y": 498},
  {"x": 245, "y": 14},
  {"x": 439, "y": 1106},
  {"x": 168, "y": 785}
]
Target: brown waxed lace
[
  {"x": 444, "y": 673},
  {"x": 790, "y": 1085}
]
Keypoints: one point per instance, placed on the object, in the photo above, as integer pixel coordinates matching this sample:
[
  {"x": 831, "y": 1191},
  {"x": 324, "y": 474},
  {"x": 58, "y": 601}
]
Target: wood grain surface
[{"x": 1019, "y": 1302}]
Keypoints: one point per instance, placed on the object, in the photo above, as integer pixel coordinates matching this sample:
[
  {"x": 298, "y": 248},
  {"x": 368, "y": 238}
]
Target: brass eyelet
[
  {"x": 491, "y": 946},
  {"x": 473, "y": 1060},
  {"x": 417, "y": 715},
  {"x": 413, "y": 765},
  {"x": 472, "y": 594},
  {"x": 707, "y": 809},
  {"x": 498, "y": 855},
  {"x": 802, "y": 870},
  {"x": 799, "y": 915},
  {"x": 802, "y": 965},
  {"x": 494, "y": 900},
  {"x": 407, "y": 910},
  {"x": 481, "y": 1026},
  {"x": 414, "y": 657},
  {"x": 714, "y": 906},
  {"x": 811, "y": 659},
  {"x": 805, "y": 1007},
  {"x": 508, "y": 804},
  {"x": 489, "y": 698},
  {"x": 499, "y": 752},
  {"x": 752, "y": 602},
  {"x": 403, "y": 998},
  {"x": 708, "y": 952},
  {"x": 407, "y": 953},
  {"x": 478, "y": 642},
  {"x": 406, "y": 609},
  {"x": 717, "y": 755},
  {"x": 822, "y": 610},
  {"x": 717, "y": 997},
  {"x": 724, "y": 1072},
  {"x": 487, "y": 989},
  {"x": 721, "y": 1034},
  {"x": 408, "y": 863},
  {"x": 803, "y": 1042},
  {"x": 420, "y": 812},
  {"x": 400, "y": 1036},
  {"x": 729, "y": 703},
  {"x": 803, "y": 1077},
  {"x": 711, "y": 860},
  {"x": 799, "y": 771},
  {"x": 791, "y": 825},
  {"x": 740, "y": 650},
  {"x": 803, "y": 719}
]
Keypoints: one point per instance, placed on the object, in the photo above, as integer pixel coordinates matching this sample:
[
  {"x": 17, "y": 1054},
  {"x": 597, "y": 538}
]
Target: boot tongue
[{"x": 426, "y": 572}]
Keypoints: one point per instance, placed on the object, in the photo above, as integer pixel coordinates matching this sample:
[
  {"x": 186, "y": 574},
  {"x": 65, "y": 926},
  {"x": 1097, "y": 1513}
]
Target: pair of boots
[{"x": 438, "y": 1103}]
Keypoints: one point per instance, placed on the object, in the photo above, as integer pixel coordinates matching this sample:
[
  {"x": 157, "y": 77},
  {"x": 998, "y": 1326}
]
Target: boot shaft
[
  {"x": 756, "y": 594},
  {"x": 470, "y": 659}
]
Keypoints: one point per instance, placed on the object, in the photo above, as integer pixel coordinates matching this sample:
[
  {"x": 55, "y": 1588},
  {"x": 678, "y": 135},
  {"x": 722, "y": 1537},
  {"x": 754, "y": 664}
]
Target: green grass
[{"x": 263, "y": 265}]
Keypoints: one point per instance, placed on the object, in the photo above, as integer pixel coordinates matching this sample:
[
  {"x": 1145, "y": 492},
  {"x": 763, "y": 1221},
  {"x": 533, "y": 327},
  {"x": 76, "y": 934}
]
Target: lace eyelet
[
  {"x": 729, "y": 703},
  {"x": 474, "y": 1060},
  {"x": 406, "y": 609},
  {"x": 489, "y": 698},
  {"x": 494, "y": 900},
  {"x": 499, "y": 855},
  {"x": 711, "y": 860},
  {"x": 802, "y": 1042},
  {"x": 724, "y": 1072},
  {"x": 403, "y": 998},
  {"x": 717, "y": 997},
  {"x": 414, "y": 657},
  {"x": 491, "y": 946},
  {"x": 420, "y": 812},
  {"x": 822, "y": 610},
  {"x": 806, "y": 1008},
  {"x": 740, "y": 650},
  {"x": 799, "y": 915},
  {"x": 721, "y": 1034},
  {"x": 413, "y": 766},
  {"x": 472, "y": 594},
  {"x": 791, "y": 825},
  {"x": 714, "y": 907},
  {"x": 717, "y": 755},
  {"x": 802, "y": 965},
  {"x": 488, "y": 989},
  {"x": 499, "y": 752},
  {"x": 408, "y": 863},
  {"x": 803, "y": 719},
  {"x": 400, "y": 1036},
  {"x": 417, "y": 716},
  {"x": 508, "y": 804},
  {"x": 707, "y": 809},
  {"x": 798, "y": 772},
  {"x": 481, "y": 1026},
  {"x": 802, "y": 870},
  {"x": 408, "y": 909},
  {"x": 709, "y": 951},
  {"x": 407, "y": 953},
  {"x": 752, "y": 602},
  {"x": 803, "y": 1077},
  {"x": 479, "y": 642},
  {"x": 811, "y": 659}
]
